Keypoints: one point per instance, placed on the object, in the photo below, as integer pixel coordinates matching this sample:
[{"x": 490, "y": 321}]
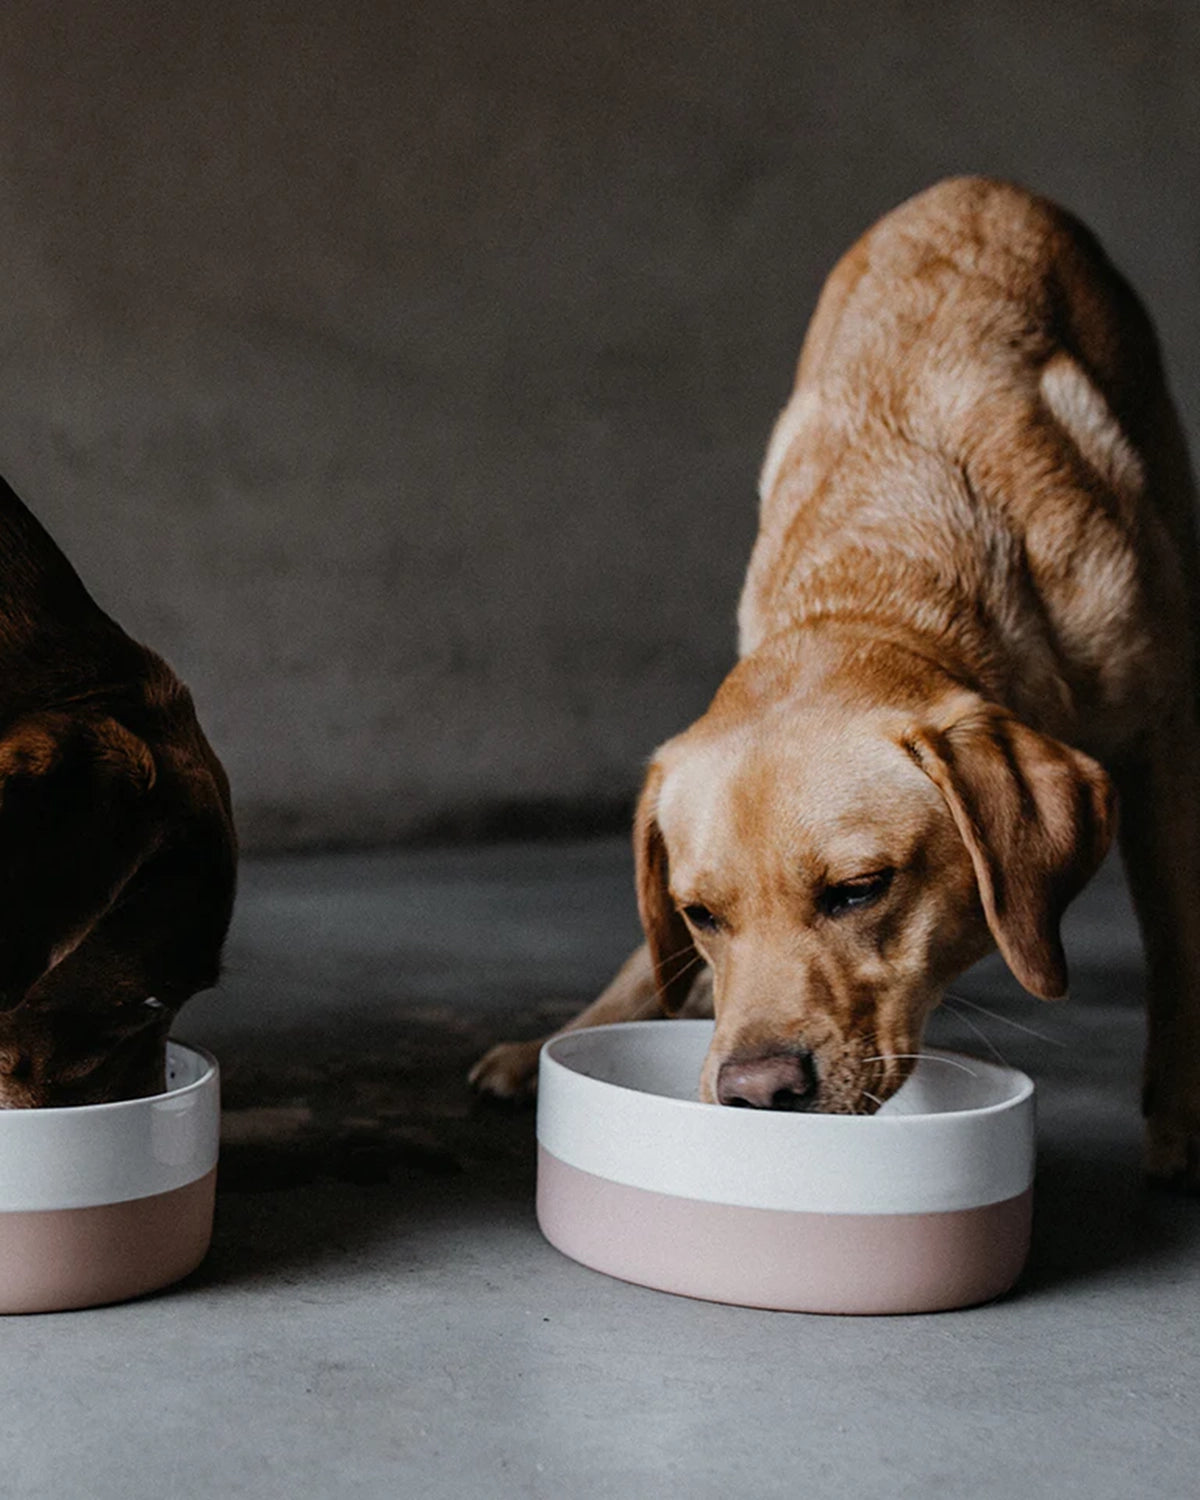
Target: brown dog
[
  {"x": 117, "y": 849},
  {"x": 970, "y": 604}
]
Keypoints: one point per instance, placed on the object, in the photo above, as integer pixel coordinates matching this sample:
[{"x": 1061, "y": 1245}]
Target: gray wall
[{"x": 402, "y": 374}]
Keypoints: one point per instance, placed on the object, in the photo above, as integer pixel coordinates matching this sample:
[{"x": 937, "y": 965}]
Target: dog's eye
[
  {"x": 851, "y": 894},
  {"x": 701, "y": 917}
]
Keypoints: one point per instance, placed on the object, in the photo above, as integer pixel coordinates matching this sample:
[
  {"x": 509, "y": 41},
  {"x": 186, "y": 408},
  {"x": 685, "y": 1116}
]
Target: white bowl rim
[
  {"x": 937, "y": 1161},
  {"x": 60, "y": 1111},
  {"x": 86, "y": 1156},
  {"x": 1022, "y": 1084}
]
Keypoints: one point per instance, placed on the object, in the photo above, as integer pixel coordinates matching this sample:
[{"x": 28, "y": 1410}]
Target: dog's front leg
[
  {"x": 509, "y": 1071},
  {"x": 1160, "y": 844}
]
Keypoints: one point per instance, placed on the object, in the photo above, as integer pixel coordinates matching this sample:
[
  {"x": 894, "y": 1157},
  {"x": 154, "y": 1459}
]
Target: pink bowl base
[
  {"x": 793, "y": 1262},
  {"x": 55, "y": 1259}
]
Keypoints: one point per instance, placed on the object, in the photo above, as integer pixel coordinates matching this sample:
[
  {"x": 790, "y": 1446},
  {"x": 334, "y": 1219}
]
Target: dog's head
[
  {"x": 837, "y": 866},
  {"x": 117, "y": 867}
]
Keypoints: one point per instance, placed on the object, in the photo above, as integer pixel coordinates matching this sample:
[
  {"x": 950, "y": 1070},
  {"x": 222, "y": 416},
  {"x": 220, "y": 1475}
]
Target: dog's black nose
[{"x": 781, "y": 1080}]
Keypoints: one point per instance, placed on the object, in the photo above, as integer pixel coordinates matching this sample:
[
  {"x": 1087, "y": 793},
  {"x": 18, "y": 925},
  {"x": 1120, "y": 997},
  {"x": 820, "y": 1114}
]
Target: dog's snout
[{"x": 780, "y": 1080}]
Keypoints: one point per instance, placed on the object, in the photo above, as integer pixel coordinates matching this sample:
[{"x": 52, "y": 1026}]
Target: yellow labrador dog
[{"x": 967, "y": 624}]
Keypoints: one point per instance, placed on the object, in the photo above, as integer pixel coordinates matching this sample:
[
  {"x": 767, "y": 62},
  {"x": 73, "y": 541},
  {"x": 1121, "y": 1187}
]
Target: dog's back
[{"x": 979, "y": 426}]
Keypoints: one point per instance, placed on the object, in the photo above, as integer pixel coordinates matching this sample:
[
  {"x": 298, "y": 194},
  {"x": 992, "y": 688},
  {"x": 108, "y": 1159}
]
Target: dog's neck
[{"x": 887, "y": 662}]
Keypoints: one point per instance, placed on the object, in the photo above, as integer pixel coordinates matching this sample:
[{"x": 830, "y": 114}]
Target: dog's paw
[
  {"x": 508, "y": 1071},
  {"x": 1172, "y": 1155}
]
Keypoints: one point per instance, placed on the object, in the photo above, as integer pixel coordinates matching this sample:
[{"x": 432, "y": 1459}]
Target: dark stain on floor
[
  {"x": 336, "y": 1151},
  {"x": 394, "y": 1107}
]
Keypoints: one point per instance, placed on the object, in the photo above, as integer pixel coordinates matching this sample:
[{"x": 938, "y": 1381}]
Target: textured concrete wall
[{"x": 402, "y": 371}]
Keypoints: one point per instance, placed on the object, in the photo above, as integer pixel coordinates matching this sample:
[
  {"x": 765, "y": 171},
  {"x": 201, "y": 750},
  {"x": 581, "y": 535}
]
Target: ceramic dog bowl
[
  {"x": 923, "y": 1206},
  {"x": 107, "y": 1201}
]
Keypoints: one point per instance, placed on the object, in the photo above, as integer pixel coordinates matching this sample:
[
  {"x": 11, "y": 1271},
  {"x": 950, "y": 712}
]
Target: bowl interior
[
  {"x": 185, "y": 1066},
  {"x": 664, "y": 1058}
]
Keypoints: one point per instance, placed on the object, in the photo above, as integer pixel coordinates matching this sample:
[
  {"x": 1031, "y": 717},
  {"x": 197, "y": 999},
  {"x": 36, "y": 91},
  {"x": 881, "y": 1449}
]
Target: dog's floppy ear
[
  {"x": 1037, "y": 818},
  {"x": 75, "y": 821},
  {"x": 672, "y": 952}
]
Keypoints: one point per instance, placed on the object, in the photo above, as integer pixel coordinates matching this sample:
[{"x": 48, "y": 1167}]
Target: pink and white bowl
[
  {"x": 922, "y": 1207},
  {"x": 104, "y": 1202}
]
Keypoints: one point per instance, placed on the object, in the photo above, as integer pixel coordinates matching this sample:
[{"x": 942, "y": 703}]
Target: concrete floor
[{"x": 380, "y": 1317}]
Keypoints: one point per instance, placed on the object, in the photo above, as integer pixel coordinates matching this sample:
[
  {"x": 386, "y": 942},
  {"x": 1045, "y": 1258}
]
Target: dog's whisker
[
  {"x": 980, "y": 1033},
  {"x": 670, "y": 958},
  {"x": 1004, "y": 1020},
  {"x": 663, "y": 963},
  {"x": 951, "y": 1062},
  {"x": 664, "y": 976},
  {"x": 879, "y": 1103},
  {"x": 693, "y": 962}
]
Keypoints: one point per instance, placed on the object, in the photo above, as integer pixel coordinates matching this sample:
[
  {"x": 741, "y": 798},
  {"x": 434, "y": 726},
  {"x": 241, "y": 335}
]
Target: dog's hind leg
[{"x": 1160, "y": 844}]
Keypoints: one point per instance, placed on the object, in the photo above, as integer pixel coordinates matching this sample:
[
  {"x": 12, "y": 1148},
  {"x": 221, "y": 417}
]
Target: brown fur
[
  {"x": 970, "y": 604},
  {"x": 117, "y": 849}
]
